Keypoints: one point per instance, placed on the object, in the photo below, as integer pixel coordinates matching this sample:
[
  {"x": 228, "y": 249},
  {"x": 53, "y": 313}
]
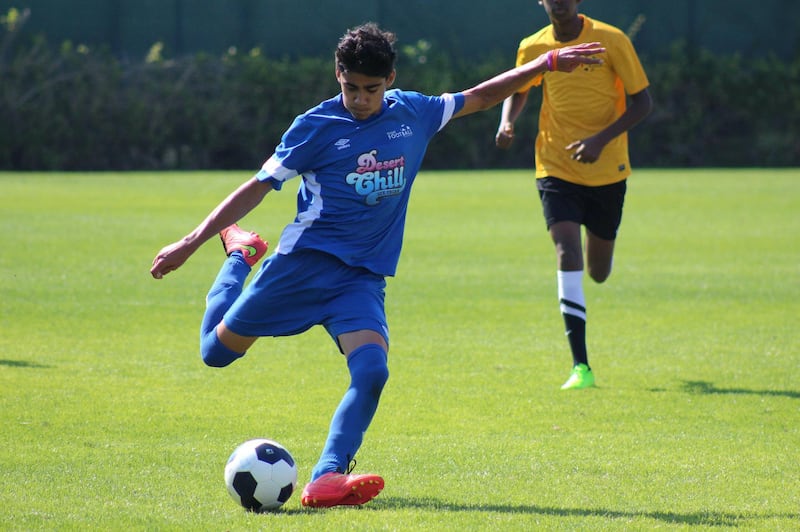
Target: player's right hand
[
  {"x": 170, "y": 258},
  {"x": 571, "y": 57},
  {"x": 505, "y": 136}
]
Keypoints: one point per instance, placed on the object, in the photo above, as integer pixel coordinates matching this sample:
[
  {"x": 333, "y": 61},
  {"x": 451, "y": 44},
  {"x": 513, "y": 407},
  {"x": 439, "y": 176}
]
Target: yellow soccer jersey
[{"x": 578, "y": 104}]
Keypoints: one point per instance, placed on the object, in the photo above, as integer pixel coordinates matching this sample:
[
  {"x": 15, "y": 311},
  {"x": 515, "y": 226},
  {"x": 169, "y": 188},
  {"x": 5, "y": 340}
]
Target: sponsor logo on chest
[{"x": 376, "y": 179}]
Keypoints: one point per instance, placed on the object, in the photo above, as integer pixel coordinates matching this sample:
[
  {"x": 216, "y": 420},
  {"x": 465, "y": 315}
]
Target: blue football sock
[
  {"x": 368, "y": 374},
  {"x": 226, "y": 288}
]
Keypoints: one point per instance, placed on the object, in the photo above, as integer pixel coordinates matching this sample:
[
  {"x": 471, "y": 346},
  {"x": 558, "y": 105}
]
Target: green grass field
[{"x": 110, "y": 421}]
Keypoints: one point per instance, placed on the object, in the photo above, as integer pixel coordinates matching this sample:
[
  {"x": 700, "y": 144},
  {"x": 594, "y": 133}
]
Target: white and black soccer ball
[{"x": 261, "y": 475}]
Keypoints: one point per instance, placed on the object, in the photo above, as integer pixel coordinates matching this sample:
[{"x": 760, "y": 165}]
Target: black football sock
[
  {"x": 576, "y": 334},
  {"x": 573, "y": 308}
]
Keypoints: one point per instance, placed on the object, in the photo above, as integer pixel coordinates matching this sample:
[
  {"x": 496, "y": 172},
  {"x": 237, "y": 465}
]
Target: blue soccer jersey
[{"x": 357, "y": 175}]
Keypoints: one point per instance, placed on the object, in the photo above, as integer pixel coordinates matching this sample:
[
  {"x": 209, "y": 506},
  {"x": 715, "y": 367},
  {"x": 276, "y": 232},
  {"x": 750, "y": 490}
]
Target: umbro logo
[{"x": 342, "y": 144}]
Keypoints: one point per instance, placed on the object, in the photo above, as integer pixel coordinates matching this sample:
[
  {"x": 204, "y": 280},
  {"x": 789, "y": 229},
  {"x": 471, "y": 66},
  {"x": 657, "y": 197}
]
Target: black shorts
[{"x": 597, "y": 208}]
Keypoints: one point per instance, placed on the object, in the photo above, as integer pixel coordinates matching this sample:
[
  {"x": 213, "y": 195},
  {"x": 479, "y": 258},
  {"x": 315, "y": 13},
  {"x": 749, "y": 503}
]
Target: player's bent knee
[
  {"x": 368, "y": 366},
  {"x": 599, "y": 275},
  {"x": 215, "y": 353},
  {"x": 378, "y": 376}
]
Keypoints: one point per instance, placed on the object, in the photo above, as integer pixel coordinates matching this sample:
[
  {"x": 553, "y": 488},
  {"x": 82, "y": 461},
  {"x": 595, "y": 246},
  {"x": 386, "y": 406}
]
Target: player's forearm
[
  {"x": 640, "y": 106},
  {"x": 495, "y": 90},
  {"x": 232, "y": 209},
  {"x": 512, "y": 107}
]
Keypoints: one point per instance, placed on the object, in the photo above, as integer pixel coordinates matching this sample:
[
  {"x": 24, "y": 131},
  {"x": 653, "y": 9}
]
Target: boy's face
[
  {"x": 362, "y": 95},
  {"x": 560, "y": 10}
]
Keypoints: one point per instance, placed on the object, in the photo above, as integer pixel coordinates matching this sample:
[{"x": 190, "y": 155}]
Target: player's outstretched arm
[
  {"x": 493, "y": 91},
  {"x": 229, "y": 211}
]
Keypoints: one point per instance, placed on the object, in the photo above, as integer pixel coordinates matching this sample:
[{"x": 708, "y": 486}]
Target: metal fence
[{"x": 467, "y": 28}]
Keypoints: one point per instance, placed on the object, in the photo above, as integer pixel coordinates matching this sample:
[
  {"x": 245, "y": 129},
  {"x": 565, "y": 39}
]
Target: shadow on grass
[
  {"x": 21, "y": 364},
  {"x": 708, "y": 388},
  {"x": 730, "y": 519}
]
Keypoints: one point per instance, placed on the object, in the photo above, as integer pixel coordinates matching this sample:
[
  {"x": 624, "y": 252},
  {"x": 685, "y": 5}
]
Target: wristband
[{"x": 552, "y": 60}]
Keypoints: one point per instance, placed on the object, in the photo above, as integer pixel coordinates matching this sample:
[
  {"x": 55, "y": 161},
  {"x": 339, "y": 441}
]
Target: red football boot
[
  {"x": 338, "y": 489},
  {"x": 234, "y": 238}
]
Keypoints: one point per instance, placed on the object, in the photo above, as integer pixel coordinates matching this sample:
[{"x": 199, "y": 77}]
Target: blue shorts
[{"x": 291, "y": 293}]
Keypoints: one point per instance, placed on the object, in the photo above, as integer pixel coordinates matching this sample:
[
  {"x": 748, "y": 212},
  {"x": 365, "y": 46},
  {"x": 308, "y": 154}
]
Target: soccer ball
[{"x": 261, "y": 475}]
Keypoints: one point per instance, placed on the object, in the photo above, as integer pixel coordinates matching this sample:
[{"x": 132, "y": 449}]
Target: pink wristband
[{"x": 550, "y": 60}]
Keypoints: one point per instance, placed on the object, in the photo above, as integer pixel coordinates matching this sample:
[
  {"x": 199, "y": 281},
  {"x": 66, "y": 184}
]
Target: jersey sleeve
[
  {"x": 292, "y": 157},
  {"x": 529, "y": 49},
  {"x": 434, "y": 111},
  {"x": 453, "y": 103},
  {"x": 626, "y": 64}
]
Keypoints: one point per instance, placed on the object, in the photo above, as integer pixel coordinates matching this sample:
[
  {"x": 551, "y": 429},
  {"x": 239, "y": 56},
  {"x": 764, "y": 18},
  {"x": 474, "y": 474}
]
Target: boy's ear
[{"x": 390, "y": 78}]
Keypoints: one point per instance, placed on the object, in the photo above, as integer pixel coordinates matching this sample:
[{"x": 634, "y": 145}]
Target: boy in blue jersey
[{"x": 358, "y": 155}]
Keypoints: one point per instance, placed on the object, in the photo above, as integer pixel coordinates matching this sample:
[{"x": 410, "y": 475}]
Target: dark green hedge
[{"x": 70, "y": 108}]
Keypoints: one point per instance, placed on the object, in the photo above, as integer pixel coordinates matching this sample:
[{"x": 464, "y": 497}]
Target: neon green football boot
[{"x": 581, "y": 377}]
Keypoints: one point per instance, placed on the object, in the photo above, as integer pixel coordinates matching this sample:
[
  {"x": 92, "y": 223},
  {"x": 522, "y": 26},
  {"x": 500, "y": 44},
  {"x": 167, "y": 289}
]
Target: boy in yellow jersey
[{"x": 581, "y": 154}]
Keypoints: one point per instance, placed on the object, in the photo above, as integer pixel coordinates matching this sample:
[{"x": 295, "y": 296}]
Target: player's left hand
[{"x": 586, "y": 150}]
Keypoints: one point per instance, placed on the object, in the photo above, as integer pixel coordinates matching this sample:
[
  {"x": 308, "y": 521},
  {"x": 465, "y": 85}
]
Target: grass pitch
[{"x": 111, "y": 422}]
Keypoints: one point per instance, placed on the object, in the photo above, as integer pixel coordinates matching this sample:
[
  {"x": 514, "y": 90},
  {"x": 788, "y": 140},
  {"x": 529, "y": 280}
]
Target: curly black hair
[{"x": 367, "y": 50}]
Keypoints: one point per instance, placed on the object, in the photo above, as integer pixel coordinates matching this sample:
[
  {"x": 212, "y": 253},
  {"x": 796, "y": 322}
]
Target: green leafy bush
[{"x": 74, "y": 108}]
